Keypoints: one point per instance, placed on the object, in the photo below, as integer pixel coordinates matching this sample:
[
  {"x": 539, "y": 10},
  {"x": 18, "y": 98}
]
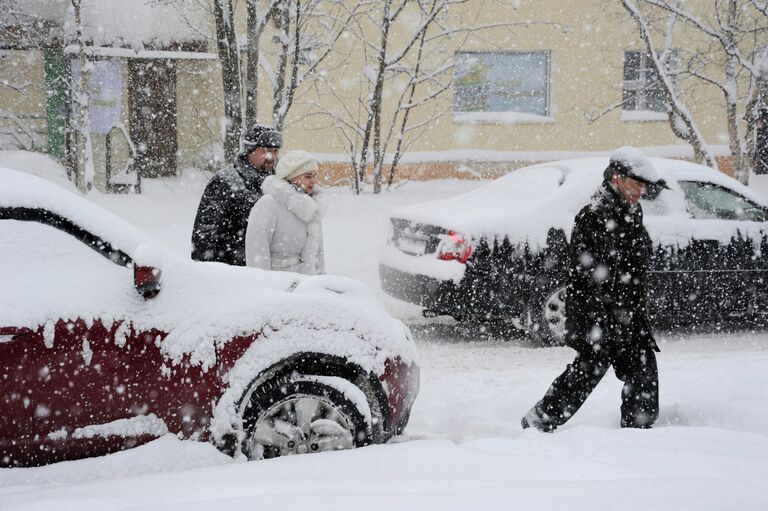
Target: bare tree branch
[{"x": 677, "y": 108}]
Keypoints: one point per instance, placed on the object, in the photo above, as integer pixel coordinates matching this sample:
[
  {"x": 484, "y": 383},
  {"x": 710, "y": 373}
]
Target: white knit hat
[{"x": 295, "y": 163}]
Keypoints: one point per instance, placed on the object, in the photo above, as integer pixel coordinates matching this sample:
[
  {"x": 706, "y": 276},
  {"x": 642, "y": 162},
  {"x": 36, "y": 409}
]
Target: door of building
[{"x": 152, "y": 90}]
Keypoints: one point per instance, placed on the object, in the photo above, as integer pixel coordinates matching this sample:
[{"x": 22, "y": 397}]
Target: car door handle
[{"x": 11, "y": 333}]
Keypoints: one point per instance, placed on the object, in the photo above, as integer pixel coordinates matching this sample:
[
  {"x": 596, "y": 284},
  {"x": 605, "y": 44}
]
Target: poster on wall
[{"x": 105, "y": 93}]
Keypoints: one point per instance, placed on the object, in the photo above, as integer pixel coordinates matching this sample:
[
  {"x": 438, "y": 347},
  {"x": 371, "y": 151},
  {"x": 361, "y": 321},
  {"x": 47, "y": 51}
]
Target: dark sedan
[{"x": 499, "y": 253}]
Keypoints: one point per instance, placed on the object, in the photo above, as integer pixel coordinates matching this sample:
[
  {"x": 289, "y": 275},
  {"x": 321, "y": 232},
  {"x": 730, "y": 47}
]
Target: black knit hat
[{"x": 260, "y": 135}]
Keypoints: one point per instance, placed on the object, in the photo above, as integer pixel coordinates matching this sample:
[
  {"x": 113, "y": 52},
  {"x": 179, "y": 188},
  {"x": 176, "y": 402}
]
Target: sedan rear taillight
[{"x": 454, "y": 247}]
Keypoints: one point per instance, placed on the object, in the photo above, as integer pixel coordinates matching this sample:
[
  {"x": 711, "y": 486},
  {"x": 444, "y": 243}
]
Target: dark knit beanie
[{"x": 260, "y": 135}]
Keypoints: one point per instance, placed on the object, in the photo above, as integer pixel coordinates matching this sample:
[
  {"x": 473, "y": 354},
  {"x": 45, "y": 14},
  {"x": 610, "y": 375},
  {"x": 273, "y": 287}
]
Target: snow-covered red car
[
  {"x": 108, "y": 341},
  {"x": 499, "y": 253}
]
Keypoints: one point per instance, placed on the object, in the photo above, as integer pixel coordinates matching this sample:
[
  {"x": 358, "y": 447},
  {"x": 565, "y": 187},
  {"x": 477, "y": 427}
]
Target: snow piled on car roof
[
  {"x": 21, "y": 189},
  {"x": 538, "y": 197},
  {"x": 37, "y": 164},
  {"x": 525, "y": 204}
]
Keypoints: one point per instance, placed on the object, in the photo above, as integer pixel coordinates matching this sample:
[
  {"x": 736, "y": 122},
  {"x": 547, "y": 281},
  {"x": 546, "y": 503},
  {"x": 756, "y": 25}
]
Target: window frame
[
  {"x": 548, "y": 61},
  {"x": 641, "y": 86}
]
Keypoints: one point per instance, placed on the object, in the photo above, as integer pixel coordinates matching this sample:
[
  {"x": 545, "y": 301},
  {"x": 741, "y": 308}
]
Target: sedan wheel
[
  {"x": 302, "y": 417},
  {"x": 550, "y": 327}
]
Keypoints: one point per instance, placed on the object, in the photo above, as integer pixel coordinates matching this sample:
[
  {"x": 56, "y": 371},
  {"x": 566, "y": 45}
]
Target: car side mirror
[
  {"x": 146, "y": 280},
  {"x": 147, "y": 272}
]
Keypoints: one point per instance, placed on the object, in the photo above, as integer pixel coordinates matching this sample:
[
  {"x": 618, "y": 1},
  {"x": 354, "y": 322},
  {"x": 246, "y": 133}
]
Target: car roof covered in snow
[
  {"x": 668, "y": 169},
  {"x": 23, "y": 190},
  {"x": 37, "y": 164},
  {"x": 548, "y": 195}
]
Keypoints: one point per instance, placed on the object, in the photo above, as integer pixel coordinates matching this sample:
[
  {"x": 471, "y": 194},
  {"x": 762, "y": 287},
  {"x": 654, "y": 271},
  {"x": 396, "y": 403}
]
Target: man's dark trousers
[{"x": 635, "y": 366}]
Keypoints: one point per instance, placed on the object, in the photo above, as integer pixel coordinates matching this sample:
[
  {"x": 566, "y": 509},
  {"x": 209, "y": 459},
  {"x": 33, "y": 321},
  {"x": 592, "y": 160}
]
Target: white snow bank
[
  {"x": 189, "y": 181},
  {"x": 584, "y": 468},
  {"x": 37, "y": 164},
  {"x": 166, "y": 454},
  {"x": 133, "y": 427}
]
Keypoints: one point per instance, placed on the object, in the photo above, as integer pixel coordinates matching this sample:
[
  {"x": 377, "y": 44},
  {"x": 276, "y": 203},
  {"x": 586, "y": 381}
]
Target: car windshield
[{"x": 711, "y": 201}]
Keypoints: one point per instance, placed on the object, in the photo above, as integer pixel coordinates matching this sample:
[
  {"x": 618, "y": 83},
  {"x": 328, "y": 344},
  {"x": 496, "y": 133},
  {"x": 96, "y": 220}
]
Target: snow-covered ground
[{"x": 464, "y": 448}]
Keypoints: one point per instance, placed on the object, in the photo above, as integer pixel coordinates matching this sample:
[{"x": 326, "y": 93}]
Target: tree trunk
[
  {"x": 373, "y": 127},
  {"x": 254, "y": 30},
  {"x": 740, "y": 163},
  {"x": 229, "y": 59},
  {"x": 409, "y": 107},
  {"x": 83, "y": 145},
  {"x": 290, "y": 53},
  {"x": 285, "y": 44},
  {"x": 757, "y": 127},
  {"x": 355, "y": 167}
]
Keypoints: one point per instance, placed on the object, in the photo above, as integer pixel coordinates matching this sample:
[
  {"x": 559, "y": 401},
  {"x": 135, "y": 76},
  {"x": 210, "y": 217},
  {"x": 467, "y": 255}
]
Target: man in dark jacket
[
  {"x": 606, "y": 316},
  {"x": 222, "y": 217}
]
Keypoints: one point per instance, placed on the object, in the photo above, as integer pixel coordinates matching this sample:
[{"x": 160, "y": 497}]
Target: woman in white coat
[{"x": 284, "y": 230}]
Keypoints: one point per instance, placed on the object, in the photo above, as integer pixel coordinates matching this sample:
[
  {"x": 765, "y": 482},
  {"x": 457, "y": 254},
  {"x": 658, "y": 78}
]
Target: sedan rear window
[{"x": 707, "y": 200}]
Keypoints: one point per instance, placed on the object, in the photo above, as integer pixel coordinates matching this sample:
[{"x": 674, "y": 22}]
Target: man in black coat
[
  {"x": 606, "y": 316},
  {"x": 222, "y": 217}
]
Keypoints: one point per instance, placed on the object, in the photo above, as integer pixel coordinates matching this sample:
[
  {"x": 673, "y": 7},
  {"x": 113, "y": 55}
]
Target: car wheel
[
  {"x": 402, "y": 423},
  {"x": 303, "y": 416},
  {"x": 548, "y": 320}
]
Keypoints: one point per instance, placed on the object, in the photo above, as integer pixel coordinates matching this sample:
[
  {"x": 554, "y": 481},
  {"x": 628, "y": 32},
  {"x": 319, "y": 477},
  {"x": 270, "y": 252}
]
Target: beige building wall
[
  {"x": 200, "y": 113},
  {"x": 586, "y": 40},
  {"x": 22, "y": 105}
]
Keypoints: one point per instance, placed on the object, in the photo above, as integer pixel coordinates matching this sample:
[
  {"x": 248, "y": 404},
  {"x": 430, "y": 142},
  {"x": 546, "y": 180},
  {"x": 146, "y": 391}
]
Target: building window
[
  {"x": 502, "y": 82},
  {"x": 642, "y": 90}
]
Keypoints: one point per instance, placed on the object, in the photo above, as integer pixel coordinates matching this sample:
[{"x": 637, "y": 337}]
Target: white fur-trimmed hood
[{"x": 305, "y": 207}]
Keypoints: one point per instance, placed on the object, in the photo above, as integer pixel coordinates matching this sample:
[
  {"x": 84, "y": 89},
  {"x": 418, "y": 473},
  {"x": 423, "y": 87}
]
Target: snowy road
[
  {"x": 464, "y": 448},
  {"x": 707, "y": 379}
]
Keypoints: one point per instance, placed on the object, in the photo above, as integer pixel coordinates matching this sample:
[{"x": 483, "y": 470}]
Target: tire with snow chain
[
  {"x": 548, "y": 318},
  {"x": 304, "y": 415}
]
